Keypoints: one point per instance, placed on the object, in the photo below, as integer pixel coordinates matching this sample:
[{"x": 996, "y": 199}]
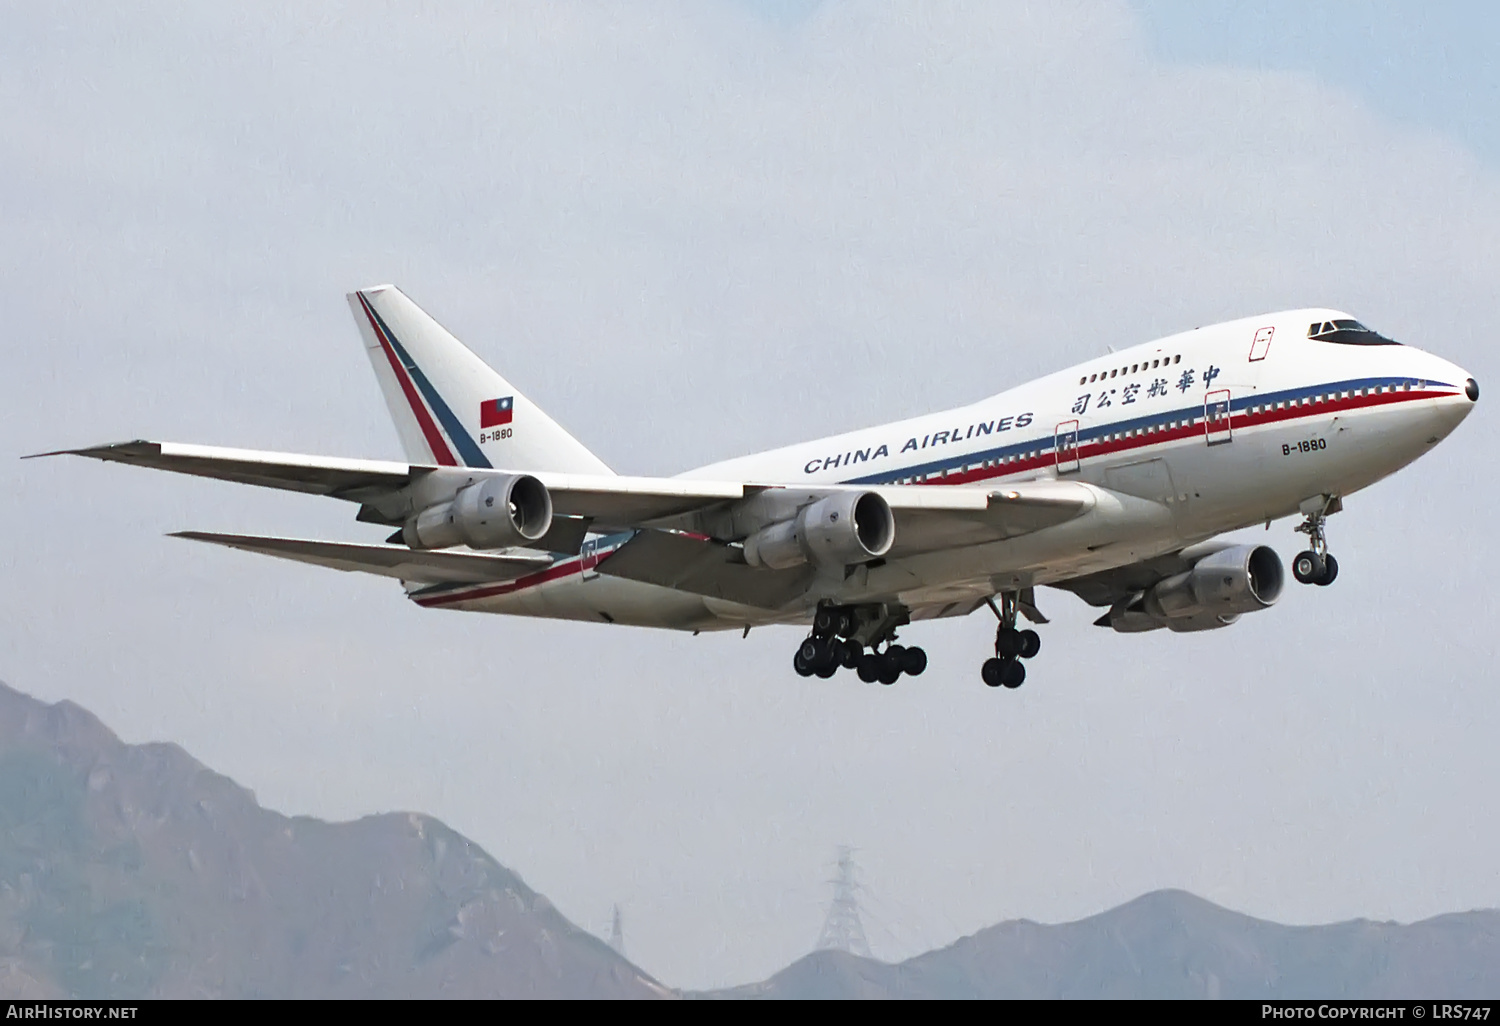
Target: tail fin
[{"x": 449, "y": 407}]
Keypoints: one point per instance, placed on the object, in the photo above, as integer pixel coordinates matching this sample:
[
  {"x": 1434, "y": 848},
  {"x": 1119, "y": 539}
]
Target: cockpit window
[{"x": 1349, "y": 333}]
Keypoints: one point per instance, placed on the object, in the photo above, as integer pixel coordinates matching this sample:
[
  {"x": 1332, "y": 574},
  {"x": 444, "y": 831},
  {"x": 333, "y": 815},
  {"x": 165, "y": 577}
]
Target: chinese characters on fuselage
[{"x": 1130, "y": 393}]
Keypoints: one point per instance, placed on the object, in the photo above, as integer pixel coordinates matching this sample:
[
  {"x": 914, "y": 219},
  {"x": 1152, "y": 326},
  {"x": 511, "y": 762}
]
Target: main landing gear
[
  {"x": 1317, "y": 565},
  {"x": 859, "y": 639},
  {"x": 1011, "y": 646}
]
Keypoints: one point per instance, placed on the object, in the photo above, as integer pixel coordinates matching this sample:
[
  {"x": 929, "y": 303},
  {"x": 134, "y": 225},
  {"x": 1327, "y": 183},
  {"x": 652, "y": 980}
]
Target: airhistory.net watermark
[{"x": 59, "y": 1010}]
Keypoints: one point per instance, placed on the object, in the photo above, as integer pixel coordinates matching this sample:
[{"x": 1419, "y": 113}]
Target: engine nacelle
[
  {"x": 842, "y": 529},
  {"x": 495, "y": 513},
  {"x": 1236, "y": 580},
  {"x": 1214, "y": 593}
]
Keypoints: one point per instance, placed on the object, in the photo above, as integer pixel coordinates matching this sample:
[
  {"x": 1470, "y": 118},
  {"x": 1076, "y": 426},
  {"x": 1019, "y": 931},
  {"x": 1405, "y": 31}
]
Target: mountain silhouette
[
  {"x": 1170, "y": 944},
  {"x": 133, "y": 871}
]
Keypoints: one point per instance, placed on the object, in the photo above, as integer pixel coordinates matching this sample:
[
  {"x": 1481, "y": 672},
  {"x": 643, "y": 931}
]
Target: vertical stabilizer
[{"x": 450, "y": 408}]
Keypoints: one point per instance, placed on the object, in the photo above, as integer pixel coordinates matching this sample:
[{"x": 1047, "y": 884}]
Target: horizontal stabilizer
[{"x": 442, "y": 567}]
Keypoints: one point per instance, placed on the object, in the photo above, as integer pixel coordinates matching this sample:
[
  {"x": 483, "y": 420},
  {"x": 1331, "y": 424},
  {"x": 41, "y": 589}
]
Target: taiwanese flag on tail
[{"x": 495, "y": 412}]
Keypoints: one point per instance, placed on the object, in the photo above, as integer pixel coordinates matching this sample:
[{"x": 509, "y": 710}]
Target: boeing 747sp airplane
[{"x": 1109, "y": 479}]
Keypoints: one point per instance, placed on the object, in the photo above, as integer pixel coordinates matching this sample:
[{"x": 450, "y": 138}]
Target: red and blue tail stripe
[{"x": 413, "y": 381}]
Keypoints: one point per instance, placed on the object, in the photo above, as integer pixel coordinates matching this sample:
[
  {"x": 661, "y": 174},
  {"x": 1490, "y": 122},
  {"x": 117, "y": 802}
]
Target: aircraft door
[
  {"x": 1066, "y": 447},
  {"x": 1261, "y": 344},
  {"x": 588, "y": 558},
  {"x": 1216, "y": 418}
]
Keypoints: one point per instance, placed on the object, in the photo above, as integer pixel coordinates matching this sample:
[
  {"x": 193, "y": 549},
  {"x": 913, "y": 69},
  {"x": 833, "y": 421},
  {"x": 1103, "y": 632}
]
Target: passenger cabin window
[{"x": 1348, "y": 333}]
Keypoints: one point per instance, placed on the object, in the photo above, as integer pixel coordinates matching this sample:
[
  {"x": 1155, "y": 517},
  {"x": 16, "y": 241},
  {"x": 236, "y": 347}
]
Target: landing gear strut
[
  {"x": 1011, "y": 645},
  {"x": 1317, "y": 565},
  {"x": 858, "y": 638}
]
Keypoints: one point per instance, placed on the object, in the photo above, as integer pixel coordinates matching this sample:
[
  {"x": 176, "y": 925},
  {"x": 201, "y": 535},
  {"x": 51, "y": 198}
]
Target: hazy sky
[{"x": 691, "y": 231}]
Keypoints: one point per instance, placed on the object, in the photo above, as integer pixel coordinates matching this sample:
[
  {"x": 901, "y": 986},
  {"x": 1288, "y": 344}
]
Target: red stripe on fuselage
[
  {"x": 552, "y": 573},
  {"x": 430, "y": 432}
]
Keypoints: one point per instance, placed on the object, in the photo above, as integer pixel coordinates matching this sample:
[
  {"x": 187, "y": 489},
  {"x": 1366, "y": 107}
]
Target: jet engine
[
  {"x": 495, "y": 513},
  {"x": 1214, "y": 593},
  {"x": 834, "y": 532}
]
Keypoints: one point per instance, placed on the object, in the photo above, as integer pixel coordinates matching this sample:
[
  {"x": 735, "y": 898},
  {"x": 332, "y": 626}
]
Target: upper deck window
[{"x": 1349, "y": 333}]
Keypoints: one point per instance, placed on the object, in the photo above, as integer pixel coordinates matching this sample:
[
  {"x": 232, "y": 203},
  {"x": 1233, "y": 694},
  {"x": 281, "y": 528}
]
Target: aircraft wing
[
  {"x": 931, "y": 518},
  {"x": 702, "y": 566},
  {"x": 1106, "y": 587},
  {"x": 315, "y": 475},
  {"x": 440, "y": 567},
  {"x": 611, "y": 501},
  {"x": 927, "y": 518}
]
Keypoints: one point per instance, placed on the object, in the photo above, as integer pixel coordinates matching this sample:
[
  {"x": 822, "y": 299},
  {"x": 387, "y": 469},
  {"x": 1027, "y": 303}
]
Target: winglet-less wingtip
[{"x": 100, "y": 452}]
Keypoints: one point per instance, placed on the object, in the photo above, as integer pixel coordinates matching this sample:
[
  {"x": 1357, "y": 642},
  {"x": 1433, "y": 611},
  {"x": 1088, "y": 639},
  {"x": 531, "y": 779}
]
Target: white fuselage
[{"x": 1186, "y": 437}]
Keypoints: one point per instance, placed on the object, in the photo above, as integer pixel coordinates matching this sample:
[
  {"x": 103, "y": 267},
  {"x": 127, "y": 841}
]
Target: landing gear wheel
[
  {"x": 822, "y": 656},
  {"x": 1316, "y": 565},
  {"x": 890, "y": 669},
  {"x": 1330, "y": 572},
  {"x": 914, "y": 661},
  {"x": 1308, "y": 567},
  {"x": 1012, "y": 645},
  {"x": 1013, "y": 675},
  {"x": 849, "y": 657},
  {"x": 993, "y": 671},
  {"x": 869, "y": 668},
  {"x": 830, "y": 651}
]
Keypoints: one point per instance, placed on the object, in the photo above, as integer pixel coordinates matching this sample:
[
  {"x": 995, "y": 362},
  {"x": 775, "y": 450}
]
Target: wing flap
[{"x": 440, "y": 567}]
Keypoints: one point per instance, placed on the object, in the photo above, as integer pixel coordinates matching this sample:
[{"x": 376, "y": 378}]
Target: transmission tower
[
  {"x": 842, "y": 930},
  {"x": 617, "y": 934}
]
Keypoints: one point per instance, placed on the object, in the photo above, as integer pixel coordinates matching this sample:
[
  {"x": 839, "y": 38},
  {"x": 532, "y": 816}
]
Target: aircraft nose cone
[{"x": 1471, "y": 389}]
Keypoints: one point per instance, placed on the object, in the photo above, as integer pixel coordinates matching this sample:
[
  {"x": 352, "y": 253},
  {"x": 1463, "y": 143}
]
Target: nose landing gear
[
  {"x": 1011, "y": 646},
  {"x": 1317, "y": 565}
]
